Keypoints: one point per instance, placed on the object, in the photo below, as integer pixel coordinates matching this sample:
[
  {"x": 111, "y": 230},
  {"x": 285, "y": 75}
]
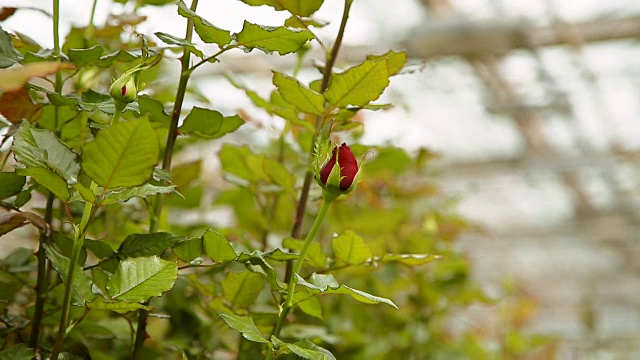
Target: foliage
[{"x": 116, "y": 264}]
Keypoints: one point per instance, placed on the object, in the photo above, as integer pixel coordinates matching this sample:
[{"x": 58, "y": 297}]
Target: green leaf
[
  {"x": 302, "y": 23},
  {"x": 173, "y": 40},
  {"x": 42, "y": 149},
  {"x": 120, "y": 307},
  {"x": 302, "y": 97},
  {"x": 139, "y": 191},
  {"x": 395, "y": 60},
  {"x": 120, "y": 55},
  {"x": 49, "y": 179},
  {"x": 304, "y": 349},
  {"x": 139, "y": 279},
  {"x": 295, "y": 7},
  {"x": 241, "y": 162},
  {"x": 207, "y": 31},
  {"x": 409, "y": 259},
  {"x": 315, "y": 255},
  {"x": 17, "y": 352},
  {"x": 189, "y": 250},
  {"x": 122, "y": 155},
  {"x": 268, "y": 39},
  {"x": 81, "y": 285},
  {"x": 10, "y": 184},
  {"x": 209, "y": 124},
  {"x": 8, "y": 54},
  {"x": 310, "y": 305},
  {"x": 326, "y": 284},
  {"x": 99, "y": 248},
  {"x": 358, "y": 85},
  {"x": 139, "y": 245},
  {"x": 155, "y": 110},
  {"x": 244, "y": 325},
  {"x": 82, "y": 57},
  {"x": 351, "y": 248},
  {"x": 257, "y": 259},
  {"x": 242, "y": 289},
  {"x": 218, "y": 247}
]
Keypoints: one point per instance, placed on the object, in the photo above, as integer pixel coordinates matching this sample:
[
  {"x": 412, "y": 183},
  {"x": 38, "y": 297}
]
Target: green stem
[
  {"x": 88, "y": 32},
  {"x": 326, "y": 202},
  {"x": 41, "y": 282},
  {"x": 78, "y": 241},
  {"x": 185, "y": 73}
]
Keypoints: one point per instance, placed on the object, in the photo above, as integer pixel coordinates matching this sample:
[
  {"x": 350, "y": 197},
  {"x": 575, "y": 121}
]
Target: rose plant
[{"x": 118, "y": 272}]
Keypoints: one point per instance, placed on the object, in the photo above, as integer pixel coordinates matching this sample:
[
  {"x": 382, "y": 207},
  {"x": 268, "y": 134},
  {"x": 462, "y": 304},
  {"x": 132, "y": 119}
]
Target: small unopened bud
[{"x": 124, "y": 89}]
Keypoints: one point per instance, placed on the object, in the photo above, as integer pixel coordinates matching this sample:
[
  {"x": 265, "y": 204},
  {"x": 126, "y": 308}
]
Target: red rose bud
[{"x": 339, "y": 179}]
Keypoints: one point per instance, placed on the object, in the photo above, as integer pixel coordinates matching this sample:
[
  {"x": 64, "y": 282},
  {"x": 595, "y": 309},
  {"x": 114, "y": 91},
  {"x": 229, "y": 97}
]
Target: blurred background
[{"x": 534, "y": 109}]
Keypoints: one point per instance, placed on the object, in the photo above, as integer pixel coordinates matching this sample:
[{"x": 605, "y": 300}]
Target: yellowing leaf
[{"x": 13, "y": 78}]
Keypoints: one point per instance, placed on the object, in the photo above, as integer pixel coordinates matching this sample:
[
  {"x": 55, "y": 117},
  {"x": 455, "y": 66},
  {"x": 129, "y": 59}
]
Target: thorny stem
[
  {"x": 326, "y": 202},
  {"x": 301, "y": 206},
  {"x": 141, "y": 331},
  {"x": 78, "y": 241}
]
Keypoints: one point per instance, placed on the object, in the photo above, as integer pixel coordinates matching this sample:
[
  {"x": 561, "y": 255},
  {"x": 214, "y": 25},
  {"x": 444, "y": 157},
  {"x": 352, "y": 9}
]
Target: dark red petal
[
  {"x": 124, "y": 90},
  {"x": 326, "y": 169},
  {"x": 348, "y": 167}
]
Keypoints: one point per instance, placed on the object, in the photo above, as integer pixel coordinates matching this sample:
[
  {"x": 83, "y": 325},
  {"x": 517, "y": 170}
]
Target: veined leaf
[
  {"x": 209, "y": 124},
  {"x": 139, "y": 279},
  {"x": 122, "y": 155},
  {"x": 207, "y": 31},
  {"x": 241, "y": 289},
  {"x": 37, "y": 148},
  {"x": 173, "y": 40},
  {"x": 81, "y": 285},
  {"x": 296, "y": 7},
  {"x": 218, "y": 247},
  {"x": 302, "y": 97},
  {"x": 138, "y": 245},
  {"x": 268, "y": 39},
  {"x": 244, "y": 325},
  {"x": 351, "y": 248},
  {"x": 326, "y": 284},
  {"x": 358, "y": 85}
]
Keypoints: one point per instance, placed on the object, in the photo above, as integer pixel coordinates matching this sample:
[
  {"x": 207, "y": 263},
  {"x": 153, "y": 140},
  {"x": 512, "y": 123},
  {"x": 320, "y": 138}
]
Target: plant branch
[
  {"x": 78, "y": 241},
  {"x": 301, "y": 206},
  {"x": 326, "y": 202},
  {"x": 141, "y": 331},
  {"x": 41, "y": 282}
]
